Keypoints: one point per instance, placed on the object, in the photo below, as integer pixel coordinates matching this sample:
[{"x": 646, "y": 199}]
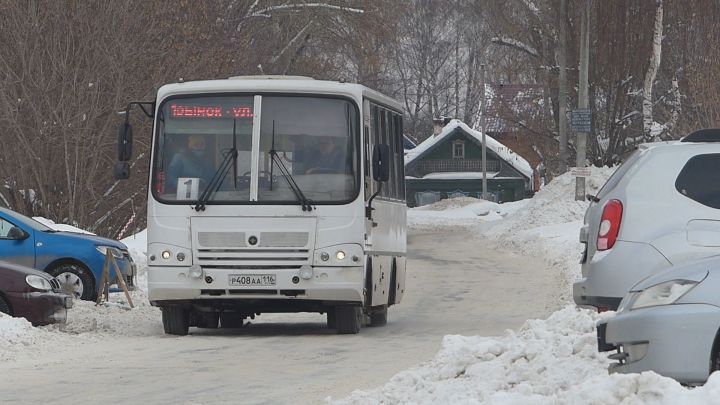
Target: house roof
[{"x": 503, "y": 152}]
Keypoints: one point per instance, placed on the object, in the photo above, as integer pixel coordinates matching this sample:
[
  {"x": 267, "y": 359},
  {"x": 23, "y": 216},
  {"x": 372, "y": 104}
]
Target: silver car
[
  {"x": 669, "y": 323},
  {"x": 659, "y": 209}
]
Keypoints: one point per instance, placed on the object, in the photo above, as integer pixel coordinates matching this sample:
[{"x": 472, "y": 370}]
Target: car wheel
[
  {"x": 176, "y": 320},
  {"x": 5, "y": 306},
  {"x": 75, "y": 280},
  {"x": 347, "y": 319}
]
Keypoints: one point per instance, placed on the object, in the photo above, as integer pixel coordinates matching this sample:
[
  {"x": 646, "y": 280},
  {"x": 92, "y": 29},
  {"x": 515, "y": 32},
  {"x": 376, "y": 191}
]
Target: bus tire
[
  {"x": 347, "y": 319},
  {"x": 368, "y": 283},
  {"x": 378, "y": 317},
  {"x": 393, "y": 285},
  {"x": 331, "y": 324},
  {"x": 176, "y": 320}
]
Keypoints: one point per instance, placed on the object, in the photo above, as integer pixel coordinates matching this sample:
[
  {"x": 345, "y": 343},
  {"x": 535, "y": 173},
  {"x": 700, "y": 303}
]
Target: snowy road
[{"x": 455, "y": 286}]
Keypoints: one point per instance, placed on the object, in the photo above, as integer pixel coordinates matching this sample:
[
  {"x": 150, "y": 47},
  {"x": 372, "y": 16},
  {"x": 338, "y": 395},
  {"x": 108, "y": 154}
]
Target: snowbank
[
  {"x": 554, "y": 360},
  {"x": 86, "y": 321}
]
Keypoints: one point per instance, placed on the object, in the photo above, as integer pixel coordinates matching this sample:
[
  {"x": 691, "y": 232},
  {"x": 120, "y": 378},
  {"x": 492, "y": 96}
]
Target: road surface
[{"x": 455, "y": 286}]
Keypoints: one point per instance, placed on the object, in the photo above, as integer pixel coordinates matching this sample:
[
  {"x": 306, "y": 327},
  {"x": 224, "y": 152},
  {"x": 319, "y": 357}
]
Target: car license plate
[{"x": 251, "y": 280}]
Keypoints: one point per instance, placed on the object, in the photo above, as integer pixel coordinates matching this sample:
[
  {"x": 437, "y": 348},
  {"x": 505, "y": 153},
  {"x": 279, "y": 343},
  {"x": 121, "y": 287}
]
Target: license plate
[{"x": 251, "y": 280}]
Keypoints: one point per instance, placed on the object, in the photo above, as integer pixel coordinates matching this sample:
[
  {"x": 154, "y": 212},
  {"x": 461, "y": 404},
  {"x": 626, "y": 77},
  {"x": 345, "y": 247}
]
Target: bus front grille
[{"x": 252, "y": 258}]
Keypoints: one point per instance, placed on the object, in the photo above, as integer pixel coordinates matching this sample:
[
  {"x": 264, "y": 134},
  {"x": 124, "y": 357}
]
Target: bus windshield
[{"x": 307, "y": 143}]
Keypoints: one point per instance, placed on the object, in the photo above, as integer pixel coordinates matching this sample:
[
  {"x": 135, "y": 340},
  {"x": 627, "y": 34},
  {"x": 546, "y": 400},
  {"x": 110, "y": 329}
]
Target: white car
[
  {"x": 669, "y": 323},
  {"x": 659, "y": 209}
]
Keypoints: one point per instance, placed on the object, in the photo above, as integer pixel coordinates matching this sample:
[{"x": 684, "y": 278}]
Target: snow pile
[
  {"x": 87, "y": 322},
  {"x": 461, "y": 211},
  {"x": 546, "y": 361},
  {"x": 17, "y": 336},
  {"x": 548, "y": 226},
  {"x": 551, "y": 361}
]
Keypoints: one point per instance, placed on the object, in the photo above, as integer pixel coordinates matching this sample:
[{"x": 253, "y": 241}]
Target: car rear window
[
  {"x": 619, "y": 173},
  {"x": 698, "y": 179}
]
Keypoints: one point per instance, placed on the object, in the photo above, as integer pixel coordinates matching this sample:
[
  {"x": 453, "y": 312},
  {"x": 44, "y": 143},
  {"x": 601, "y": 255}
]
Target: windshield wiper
[
  {"x": 304, "y": 202},
  {"x": 217, "y": 179}
]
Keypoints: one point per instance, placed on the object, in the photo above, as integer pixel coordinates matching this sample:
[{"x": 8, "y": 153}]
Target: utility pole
[
  {"x": 583, "y": 98},
  {"x": 562, "y": 88},
  {"x": 482, "y": 130}
]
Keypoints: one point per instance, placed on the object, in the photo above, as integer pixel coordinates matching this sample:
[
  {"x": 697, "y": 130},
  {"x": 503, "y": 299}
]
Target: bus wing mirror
[
  {"x": 125, "y": 138},
  {"x": 381, "y": 163},
  {"x": 122, "y": 170}
]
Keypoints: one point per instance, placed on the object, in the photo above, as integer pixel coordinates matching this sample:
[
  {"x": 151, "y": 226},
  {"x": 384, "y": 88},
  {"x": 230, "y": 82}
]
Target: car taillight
[{"x": 609, "y": 225}]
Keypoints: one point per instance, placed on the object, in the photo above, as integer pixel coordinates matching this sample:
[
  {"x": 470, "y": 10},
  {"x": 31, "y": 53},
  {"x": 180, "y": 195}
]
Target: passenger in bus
[
  {"x": 330, "y": 157},
  {"x": 192, "y": 161}
]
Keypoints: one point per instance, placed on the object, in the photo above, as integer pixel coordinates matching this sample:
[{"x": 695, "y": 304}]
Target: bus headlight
[
  {"x": 166, "y": 254},
  {"x": 338, "y": 255}
]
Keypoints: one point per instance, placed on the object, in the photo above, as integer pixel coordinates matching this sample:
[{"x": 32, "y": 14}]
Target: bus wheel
[
  {"x": 378, "y": 317},
  {"x": 393, "y": 285},
  {"x": 331, "y": 324},
  {"x": 347, "y": 319},
  {"x": 176, "y": 320}
]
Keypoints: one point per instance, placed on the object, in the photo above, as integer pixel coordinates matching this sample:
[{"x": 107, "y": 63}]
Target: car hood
[
  {"x": 21, "y": 271},
  {"x": 694, "y": 270},
  {"x": 97, "y": 240}
]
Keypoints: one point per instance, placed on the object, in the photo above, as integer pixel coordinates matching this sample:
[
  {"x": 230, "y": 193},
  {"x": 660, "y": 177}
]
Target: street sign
[
  {"x": 581, "y": 120},
  {"x": 580, "y": 171}
]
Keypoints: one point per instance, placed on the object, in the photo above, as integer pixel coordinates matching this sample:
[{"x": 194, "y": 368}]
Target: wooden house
[{"x": 449, "y": 164}]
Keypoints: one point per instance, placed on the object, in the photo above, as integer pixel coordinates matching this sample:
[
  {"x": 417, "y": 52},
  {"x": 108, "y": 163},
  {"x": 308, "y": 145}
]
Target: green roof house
[{"x": 449, "y": 164}]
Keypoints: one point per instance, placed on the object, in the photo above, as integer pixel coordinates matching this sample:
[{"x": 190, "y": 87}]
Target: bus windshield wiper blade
[
  {"x": 216, "y": 179},
  {"x": 304, "y": 202}
]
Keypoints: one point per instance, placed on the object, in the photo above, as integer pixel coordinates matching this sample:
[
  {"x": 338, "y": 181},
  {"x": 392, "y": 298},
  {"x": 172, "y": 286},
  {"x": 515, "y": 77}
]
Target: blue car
[{"x": 75, "y": 259}]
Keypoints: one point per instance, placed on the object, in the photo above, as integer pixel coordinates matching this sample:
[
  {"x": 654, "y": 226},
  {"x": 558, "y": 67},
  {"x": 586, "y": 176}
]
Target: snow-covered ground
[{"x": 553, "y": 360}]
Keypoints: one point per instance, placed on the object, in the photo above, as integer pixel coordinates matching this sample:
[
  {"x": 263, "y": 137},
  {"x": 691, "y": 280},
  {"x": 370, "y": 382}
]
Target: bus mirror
[
  {"x": 125, "y": 136},
  {"x": 381, "y": 163},
  {"x": 122, "y": 171}
]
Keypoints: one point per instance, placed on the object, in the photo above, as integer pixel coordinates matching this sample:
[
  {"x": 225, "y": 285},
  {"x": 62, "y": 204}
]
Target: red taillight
[{"x": 609, "y": 225}]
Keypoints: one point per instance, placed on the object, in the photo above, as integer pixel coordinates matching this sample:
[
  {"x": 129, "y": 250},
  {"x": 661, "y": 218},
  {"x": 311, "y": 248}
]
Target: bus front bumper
[{"x": 322, "y": 283}]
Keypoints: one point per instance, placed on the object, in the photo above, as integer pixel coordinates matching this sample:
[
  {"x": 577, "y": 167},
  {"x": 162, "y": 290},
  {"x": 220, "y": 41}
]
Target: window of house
[{"x": 458, "y": 148}]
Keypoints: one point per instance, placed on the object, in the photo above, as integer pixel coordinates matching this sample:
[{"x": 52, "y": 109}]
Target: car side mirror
[
  {"x": 121, "y": 171},
  {"x": 381, "y": 163},
  {"x": 16, "y": 233},
  {"x": 125, "y": 139}
]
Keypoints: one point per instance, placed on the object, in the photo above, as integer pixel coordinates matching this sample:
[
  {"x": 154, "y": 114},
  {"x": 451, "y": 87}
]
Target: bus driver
[{"x": 190, "y": 162}]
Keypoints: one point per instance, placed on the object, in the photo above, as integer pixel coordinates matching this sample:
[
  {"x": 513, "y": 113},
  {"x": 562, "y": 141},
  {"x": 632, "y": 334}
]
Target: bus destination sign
[{"x": 195, "y": 111}]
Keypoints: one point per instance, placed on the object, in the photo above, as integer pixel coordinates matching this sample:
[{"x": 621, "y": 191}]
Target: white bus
[{"x": 273, "y": 194}]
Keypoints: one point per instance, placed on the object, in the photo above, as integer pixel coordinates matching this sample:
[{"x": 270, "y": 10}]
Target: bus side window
[
  {"x": 383, "y": 140},
  {"x": 400, "y": 157},
  {"x": 392, "y": 183}
]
